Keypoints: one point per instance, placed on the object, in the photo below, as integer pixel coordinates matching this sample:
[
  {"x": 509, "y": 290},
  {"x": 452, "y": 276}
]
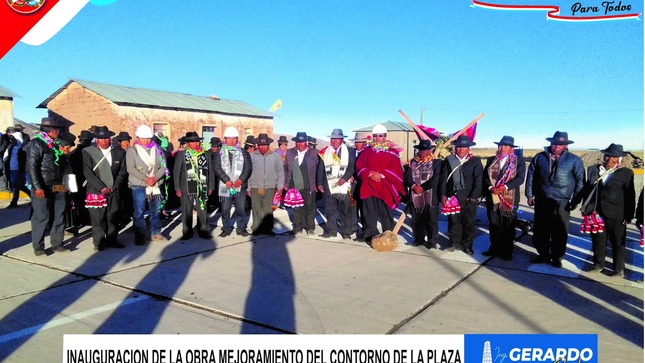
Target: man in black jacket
[
  {"x": 461, "y": 185},
  {"x": 14, "y": 165},
  {"x": 76, "y": 162},
  {"x": 105, "y": 171},
  {"x": 45, "y": 166},
  {"x": 233, "y": 168},
  {"x": 503, "y": 175},
  {"x": 194, "y": 181},
  {"x": 422, "y": 177},
  {"x": 336, "y": 168}
]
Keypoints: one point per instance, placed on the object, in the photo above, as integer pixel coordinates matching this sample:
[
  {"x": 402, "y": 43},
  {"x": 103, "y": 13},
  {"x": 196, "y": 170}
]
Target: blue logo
[{"x": 510, "y": 348}]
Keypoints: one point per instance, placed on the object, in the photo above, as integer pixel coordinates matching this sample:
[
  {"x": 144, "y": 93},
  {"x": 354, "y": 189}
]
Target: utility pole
[{"x": 421, "y": 109}]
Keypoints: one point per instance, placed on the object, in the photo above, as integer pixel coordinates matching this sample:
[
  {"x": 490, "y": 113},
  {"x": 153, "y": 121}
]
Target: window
[{"x": 163, "y": 128}]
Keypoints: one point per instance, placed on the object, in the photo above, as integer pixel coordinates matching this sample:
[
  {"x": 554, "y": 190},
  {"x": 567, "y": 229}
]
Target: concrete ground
[{"x": 305, "y": 284}]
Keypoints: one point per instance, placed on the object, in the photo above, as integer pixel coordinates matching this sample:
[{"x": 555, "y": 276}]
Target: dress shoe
[
  {"x": 40, "y": 252},
  {"x": 224, "y": 234},
  {"x": 489, "y": 253},
  {"x": 468, "y": 251},
  {"x": 12, "y": 205},
  {"x": 243, "y": 233},
  {"x": 596, "y": 269},
  {"x": 204, "y": 235},
  {"x": 359, "y": 239},
  {"x": 415, "y": 244},
  {"x": 346, "y": 236},
  {"x": 99, "y": 248},
  {"x": 326, "y": 235},
  {"x": 115, "y": 245},
  {"x": 539, "y": 259},
  {"x": 430, "y": 245},
  {"x": 618, "y": 273},
  {"x": 60, "y": 249},
  {"x": 556, "y": 263}
]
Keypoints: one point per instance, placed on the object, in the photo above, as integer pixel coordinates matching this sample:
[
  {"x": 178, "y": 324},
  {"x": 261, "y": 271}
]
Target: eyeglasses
[{"x": 380, "y": 135}]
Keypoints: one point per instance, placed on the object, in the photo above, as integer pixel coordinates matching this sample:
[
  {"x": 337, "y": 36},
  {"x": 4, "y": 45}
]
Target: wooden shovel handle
[{"x": 399, "y": 223}]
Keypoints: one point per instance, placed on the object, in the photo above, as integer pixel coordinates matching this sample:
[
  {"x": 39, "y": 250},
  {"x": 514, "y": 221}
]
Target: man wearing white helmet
[
  {"x": 233, "y": 168},
  {"x": 379, "y": 168},
  {"x": 147, "y": 171}
]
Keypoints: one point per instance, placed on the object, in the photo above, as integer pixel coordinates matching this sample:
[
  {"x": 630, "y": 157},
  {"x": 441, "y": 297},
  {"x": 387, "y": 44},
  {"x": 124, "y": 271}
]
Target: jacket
[
  {"x": 563, "y": 185},
  {"x": 247, "y": 166},
  {"x": 41, "y": 167},
  {"x": 312, "y": 160},
  {"x": 617, "y": 198},
  {"x": 514, "y": 183},
  {"x": 92, "y": 175},
  {"x": 137, "y": 169},
  {"x": 349, "y": 172},
  {"x": 179, "y": 172},
  {"x": 268, "y": 171},
  {"x": 432, "y": 183},
  {"x": 473, "y": 173}
]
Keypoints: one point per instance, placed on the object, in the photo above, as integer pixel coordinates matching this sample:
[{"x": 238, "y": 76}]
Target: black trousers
[
  {"x": 338, "y": 211},
  {"x": 305, "y": 217},
  {"x": 461, "y": 226},
  {"x": 551, "y": 225},
  {"x": 355, "y": 211},
  {"x": 425, "y": 224},
  {"x": 615, "y": 230},
  {"x": 105, "y": 220},
  {"x": 51, "y": 206},
  {"x": 502, "y": 231},
  {"x": 239, "y": 216},
  {"x": 375, "y": 210},
  {"x": 187, "y": 206}
]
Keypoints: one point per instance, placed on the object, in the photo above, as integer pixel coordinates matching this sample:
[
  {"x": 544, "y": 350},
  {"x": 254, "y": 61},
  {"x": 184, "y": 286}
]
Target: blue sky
[{"x": 348, "y": 64}]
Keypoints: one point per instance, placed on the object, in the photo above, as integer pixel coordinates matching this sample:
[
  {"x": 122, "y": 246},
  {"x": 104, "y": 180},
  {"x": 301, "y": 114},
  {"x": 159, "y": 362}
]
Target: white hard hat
[
  {"x": 231, "y": 132},
  {"x": 379, "y": 129},
  {"x": 144, "y": 132}
]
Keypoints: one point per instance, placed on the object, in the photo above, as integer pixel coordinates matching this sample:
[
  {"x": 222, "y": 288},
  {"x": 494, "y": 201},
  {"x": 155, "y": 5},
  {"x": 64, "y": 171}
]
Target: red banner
[{"x": 15, "y": 24}]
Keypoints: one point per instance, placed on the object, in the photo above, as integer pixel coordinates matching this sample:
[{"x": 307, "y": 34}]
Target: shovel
[{"x": 388, "y": 240}]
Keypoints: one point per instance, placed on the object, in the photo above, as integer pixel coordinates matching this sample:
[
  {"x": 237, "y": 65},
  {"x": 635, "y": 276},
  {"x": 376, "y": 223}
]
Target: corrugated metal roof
[
  {"x": 129, "y": 96},
  {"x": 389, "y": 125},
  {"x": 5, "y": 93}
]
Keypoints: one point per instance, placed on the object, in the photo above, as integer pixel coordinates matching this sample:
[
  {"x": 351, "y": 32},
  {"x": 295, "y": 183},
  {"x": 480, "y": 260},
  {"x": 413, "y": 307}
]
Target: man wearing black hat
[
  {"x": 265, "y": 183},
  {"x": 76, "y": 161},
  {"x": 503, "y": 176},
  {"x": 460, "y": 186},
  {"x": 213, "y": 199},
  {"x": 194, "y": 181},
  {"x": 337, "y": 167},
  {"x": 422, "y": 177},
  {"x": 124, "y": 138},
  {"x": 249, "y": 144},
  {"x": 45, "y": 166},
  {"x": 301, "y": 175},
  {"x": 553, "y": 183},
  {"x": 105, "y": 171},
  {"x": 609, "y": 194}
]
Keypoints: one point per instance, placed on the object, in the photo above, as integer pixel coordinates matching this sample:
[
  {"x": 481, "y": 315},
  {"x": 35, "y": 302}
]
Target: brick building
[{"x": 85, "y": 104}]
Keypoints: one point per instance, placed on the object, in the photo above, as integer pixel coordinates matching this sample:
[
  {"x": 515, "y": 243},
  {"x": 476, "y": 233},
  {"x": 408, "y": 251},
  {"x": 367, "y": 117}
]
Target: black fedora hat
[
  {"x": 337, "y": 134},
  {"x": 560, "y": 138},
  {"x": 424, "y": 145},
  {"x": 66, "y": 139},
  {"x": 312, "y": 141},
  {"x": 250, "y": 141},
  {"x": 85, "y": 135},
  {"x": 123, "y": 136},
  {"x": 52, "y": 122},
  {"x": 263, "y": 139},
  {"x": 614, "y": 150},
  {"x": 282, "y": 140},
  {"x": 463, "y": 141},
  {"x": 300, "y": 137},
  {"x": 192, "y": 136},
  {"x": 506, "y": 140},
  {"x": 216, "y": 141},
  {"x": 102, "y": 132}
]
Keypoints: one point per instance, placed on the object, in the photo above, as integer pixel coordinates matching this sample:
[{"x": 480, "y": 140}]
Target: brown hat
[{"x": 263, "y": 139}]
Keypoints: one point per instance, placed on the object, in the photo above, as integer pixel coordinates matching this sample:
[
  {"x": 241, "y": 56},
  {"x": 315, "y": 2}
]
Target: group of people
[{"x": 360, "y": 186}]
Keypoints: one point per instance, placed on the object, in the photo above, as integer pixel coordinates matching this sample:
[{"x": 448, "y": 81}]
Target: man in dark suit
[
  {"x": 194, "y": 181},
  {"x": 336, "y": 169},
  {"x": 302, "y": 175},
  {"x": 503, "y": 175},
  {"x": 461, "y": 185},
  {"x": 609, "y": 193},
  {"x": 105, "y": 171},
  {"x": 422, "y": 177}
]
